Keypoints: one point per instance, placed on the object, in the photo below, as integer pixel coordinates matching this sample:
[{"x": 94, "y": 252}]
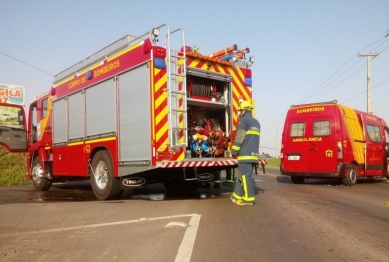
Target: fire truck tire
[
  {"x": 41, "y": 184},
  {"x": 105, "y": 186},
  {"x": 351, "y": 176},
  {"x": 297, "y": 179}
]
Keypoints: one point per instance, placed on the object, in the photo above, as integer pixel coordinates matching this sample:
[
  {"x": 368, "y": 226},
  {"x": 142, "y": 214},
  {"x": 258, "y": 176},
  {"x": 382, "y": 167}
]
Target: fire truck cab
[
  {"x": 136, "y": 113},
  {"x": 329, "y": 140}
]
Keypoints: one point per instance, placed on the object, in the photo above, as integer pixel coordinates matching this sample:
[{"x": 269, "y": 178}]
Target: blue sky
[{"x": 305, "y": 51}]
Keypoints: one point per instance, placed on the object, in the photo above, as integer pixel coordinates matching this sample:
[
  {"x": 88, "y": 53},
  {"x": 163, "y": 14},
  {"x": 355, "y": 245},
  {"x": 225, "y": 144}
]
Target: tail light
[
  {"x": 340, "y": 150},
  {"x": 281, "y": 154}
]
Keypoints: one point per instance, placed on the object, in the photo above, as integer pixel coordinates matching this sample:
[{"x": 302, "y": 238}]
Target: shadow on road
[{"x": 329, "y": 182}]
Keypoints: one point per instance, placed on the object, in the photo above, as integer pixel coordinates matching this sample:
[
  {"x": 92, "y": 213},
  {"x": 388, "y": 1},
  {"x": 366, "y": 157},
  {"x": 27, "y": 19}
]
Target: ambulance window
[
  {"x": 374, "y": 133},
  {"x": 322, "y": 128},
  {"x": 297, "y": 129},
  {"x": 44, "y": 108}
]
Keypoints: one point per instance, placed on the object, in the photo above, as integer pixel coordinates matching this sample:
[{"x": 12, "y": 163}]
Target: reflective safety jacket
[{"x": 246, "y": 144}]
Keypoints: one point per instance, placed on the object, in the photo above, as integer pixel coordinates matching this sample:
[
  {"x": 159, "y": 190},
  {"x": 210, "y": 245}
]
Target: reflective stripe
[
  {"x": 236, "y": 148},
  {"x": 246, "y": 194},
  {"x": 248, "y": 158},
  {"x": 217, "y": 181},
  {"x": 253, "y": 132},
  {"x": 249, "y": 199},
  {"x": 244, "y": 187},
  {"x": 231, "y": 181},
  {"x": 236, "y": 196}
]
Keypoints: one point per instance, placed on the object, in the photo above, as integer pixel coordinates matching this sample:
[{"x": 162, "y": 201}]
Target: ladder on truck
[{"x": 177, "y": 93}]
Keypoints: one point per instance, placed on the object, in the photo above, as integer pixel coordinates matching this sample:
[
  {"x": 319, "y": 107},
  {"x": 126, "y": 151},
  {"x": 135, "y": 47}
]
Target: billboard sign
[{"x": 12, "y": 94}]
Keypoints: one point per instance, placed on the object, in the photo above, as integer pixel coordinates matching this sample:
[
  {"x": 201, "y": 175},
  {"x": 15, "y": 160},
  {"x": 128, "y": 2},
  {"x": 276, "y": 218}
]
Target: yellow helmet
[{"x": 245, "y": 105}]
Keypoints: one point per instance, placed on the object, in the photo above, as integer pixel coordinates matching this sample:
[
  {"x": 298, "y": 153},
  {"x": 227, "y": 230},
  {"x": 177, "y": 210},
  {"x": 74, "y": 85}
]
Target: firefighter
[
  {"x": 217, "y": 179},
  {"x": 246, "y": 149},
  {"x": 229, "y": 177},
  {"x": 217, "y": 182}
]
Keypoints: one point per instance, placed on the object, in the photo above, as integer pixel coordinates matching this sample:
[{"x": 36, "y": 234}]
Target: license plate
[{"x": 293, "y": 157}]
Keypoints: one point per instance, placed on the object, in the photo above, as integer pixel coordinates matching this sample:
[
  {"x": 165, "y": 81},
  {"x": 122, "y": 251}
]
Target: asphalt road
[{"x": 319, "y": 220}]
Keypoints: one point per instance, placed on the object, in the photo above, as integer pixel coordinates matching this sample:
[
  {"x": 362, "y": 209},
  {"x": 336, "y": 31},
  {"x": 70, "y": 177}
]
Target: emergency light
[
  {"x": 248, "y": 80},
  {"x": 159, "y": 63},
  {"x": 159, "y": 51},
  {"x": 159, "y": 54},
  {"x": 89, "y": 75}
]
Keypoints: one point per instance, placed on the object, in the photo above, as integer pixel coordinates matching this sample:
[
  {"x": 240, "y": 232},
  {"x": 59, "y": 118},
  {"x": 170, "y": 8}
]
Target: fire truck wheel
[
  {"x": 297, "y": 179},
  {"x": 351, "y": 177},
  {"x": 105, "y": 186},
  {"x": 41, "y": 184}
]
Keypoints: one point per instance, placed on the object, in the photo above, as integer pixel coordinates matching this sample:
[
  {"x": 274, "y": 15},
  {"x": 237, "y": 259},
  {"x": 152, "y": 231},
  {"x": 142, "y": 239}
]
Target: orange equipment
[
  {"x": 241, "y": 53},
  {"x": 224, "y": 52}
]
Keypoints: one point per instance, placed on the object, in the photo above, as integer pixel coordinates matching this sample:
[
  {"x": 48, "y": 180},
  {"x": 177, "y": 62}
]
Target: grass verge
[
  {"x": 273, "y": 163},
  {"x": 12, "y": 168}
]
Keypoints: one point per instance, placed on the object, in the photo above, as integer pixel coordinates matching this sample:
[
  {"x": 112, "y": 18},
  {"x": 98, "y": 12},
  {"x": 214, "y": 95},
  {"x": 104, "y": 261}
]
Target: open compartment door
[{"x": 13, "y": 133}]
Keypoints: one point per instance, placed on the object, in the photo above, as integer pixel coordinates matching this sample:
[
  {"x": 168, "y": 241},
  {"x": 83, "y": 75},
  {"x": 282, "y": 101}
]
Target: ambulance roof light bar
[{"x": 313, "y": 104}]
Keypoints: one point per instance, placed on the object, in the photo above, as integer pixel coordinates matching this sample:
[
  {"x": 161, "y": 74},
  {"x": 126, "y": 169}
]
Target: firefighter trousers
[
  {"x": 244, "y": 184},
  {"x": 230, "y": 175}
]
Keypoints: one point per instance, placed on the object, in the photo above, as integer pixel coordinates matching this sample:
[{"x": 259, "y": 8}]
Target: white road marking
[
  {"x": 185, "y": 251},
  {"x": 95, "y": 225},
  {"x": 176, "y": 224}
]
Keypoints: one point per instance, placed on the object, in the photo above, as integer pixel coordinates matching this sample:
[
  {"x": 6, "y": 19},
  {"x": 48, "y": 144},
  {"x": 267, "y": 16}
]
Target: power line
[
  {"x": 342, "y": 81},
  {"x": 26, "y": 64},
  {"x": 339, "y": 77},
  {"x": 314, "y": 91},
  {"x": 380, "y": 45},
  {"x": 364, "y": 91}
]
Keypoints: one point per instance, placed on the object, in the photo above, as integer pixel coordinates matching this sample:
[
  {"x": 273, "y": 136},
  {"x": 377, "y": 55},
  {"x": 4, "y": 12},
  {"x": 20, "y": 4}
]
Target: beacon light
[
  {"x": 89, "y": 75},
  {"x": 146, "y": 47},
  {"x": 159, "y": 63},
  {"x": 248, "y": 81}
]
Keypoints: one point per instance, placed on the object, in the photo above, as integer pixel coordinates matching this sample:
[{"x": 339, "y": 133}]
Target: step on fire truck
[{"x": 136, "y": 113}]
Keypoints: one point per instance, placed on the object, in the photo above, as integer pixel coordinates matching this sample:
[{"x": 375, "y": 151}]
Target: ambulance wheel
[
  {"x": 351, "y": 177},
  {"x": 41, "y": 184},
  {"x": 105, "y": 186},
  {"x": 297, "y": 179}
]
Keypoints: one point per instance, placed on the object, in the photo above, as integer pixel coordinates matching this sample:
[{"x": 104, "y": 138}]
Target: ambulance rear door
[{"x": 322, "y": 144}]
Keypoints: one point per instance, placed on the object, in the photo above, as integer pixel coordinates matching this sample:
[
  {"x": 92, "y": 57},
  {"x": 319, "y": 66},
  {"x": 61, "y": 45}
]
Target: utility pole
[{"x": 368, "y": 81}]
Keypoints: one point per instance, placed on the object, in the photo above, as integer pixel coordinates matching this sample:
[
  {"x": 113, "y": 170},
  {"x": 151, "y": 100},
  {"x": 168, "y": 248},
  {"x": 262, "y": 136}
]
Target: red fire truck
[
  {"x": 135, "y": 113},
  {"x": 329, "y": 140}
]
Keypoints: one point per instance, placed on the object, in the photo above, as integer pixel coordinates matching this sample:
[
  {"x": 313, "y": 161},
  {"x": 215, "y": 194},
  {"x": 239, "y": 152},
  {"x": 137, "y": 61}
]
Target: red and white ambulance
[{"x": 329, "y": 140}]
